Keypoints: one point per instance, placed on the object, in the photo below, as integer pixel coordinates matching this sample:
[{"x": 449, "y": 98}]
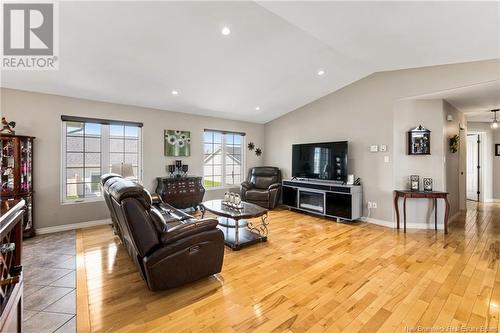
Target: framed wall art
[{"x": 177, "y": 143}]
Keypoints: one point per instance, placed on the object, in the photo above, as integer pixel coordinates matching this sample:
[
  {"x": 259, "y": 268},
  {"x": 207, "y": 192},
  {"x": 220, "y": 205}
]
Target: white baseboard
[
  {"x": 492, "y": 200},
  {"x": 382, "y": 223},
  {"x": 72, "y": 226},
  {"x": 392, "y": 224}
]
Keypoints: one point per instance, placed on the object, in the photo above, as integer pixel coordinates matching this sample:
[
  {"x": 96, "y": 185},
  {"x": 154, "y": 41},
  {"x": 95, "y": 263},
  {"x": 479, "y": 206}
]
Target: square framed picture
[
  {"x": 177, "y": 143},
  {"x": 497, "y": 149}
]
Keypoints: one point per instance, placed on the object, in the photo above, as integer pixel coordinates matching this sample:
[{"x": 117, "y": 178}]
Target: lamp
[{"x": 494, "y": 124}]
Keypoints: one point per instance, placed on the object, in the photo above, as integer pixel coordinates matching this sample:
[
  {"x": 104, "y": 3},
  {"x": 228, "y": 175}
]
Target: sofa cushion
[{"x": 257, "y": 195}]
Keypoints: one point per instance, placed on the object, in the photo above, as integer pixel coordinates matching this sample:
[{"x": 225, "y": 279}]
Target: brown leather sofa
[
  {"x": 263, "y": 187},
  {"x": 169, "y": 247}
]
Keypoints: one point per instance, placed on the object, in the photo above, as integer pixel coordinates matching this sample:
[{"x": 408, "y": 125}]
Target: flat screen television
[{"x": 325, "y": 161}]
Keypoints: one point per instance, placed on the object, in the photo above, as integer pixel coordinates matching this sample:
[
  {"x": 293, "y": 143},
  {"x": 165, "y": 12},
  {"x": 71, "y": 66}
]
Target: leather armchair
[
  {"x": 262, "y": 187},
  {"x": 170, "y": 248}
]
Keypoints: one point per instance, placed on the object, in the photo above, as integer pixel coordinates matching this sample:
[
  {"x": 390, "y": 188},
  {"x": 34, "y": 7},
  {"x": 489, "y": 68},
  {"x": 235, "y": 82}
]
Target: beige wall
[
  {"x": 40, "y": 115},
  {"x": 363, "y": 113},
  {"x": 455, "y": 162},
  {"x": 409, "y": 114}
]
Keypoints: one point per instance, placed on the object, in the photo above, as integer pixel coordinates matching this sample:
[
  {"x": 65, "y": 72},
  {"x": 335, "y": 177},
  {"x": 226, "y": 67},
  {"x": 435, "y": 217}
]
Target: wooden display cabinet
[{"x": 16, "y": 174}]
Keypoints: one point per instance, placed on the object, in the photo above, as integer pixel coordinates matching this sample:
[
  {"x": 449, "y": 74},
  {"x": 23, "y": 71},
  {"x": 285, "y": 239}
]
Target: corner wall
[{"x": 455, "y": 162}]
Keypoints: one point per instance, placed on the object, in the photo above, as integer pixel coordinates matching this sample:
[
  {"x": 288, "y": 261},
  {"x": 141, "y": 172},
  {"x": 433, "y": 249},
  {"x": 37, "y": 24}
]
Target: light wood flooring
[{"x": 312, "y": 275}]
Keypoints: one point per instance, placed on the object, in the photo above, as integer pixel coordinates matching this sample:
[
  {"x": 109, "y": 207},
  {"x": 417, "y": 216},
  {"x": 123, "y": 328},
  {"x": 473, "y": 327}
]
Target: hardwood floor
[{"x": 312, "y": 275}]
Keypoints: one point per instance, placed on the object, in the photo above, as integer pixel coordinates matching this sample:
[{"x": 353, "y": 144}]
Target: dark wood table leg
[
  {"x": 396, "y": 207},
  {"x": 446, "y": 215},
  {"x": 404, "y": 214},
  {"x": 435, "y": 214}
]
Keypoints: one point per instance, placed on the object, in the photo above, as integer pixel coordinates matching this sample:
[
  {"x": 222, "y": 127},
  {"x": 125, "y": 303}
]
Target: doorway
[{"x": 474, "y": 167}]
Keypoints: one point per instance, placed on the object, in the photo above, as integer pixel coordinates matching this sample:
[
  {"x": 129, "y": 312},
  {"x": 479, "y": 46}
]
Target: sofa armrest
[
  {"x": 247, "y": 185},
  {"x": 188, "y": 229},
  {"x": 273, "y": 186}
]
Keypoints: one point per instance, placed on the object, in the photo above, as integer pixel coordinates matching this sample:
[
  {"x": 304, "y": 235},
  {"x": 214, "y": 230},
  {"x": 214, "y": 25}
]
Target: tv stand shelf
[{"x": 331, "y": 199}]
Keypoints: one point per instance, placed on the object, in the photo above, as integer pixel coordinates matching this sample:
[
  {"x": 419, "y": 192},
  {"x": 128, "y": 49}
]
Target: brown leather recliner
[
  {"x": 168, "y": 248},
  {"x": 263, "y": 187}
]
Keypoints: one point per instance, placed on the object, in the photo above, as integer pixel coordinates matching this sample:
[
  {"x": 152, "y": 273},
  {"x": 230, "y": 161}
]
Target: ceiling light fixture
[
  {"x": 494, "y": 124},
  {"x": 225, "y": 31},
  {"x": 321, "y": 72},
  {"x": 257, "y": 108},
  {"x": 175, "y": 92}
]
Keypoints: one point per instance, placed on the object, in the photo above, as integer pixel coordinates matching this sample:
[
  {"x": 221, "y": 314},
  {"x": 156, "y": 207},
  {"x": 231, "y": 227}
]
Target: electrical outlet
[
  {"x": 374, "y": 205},
  {"x": 369, "y": 204}
]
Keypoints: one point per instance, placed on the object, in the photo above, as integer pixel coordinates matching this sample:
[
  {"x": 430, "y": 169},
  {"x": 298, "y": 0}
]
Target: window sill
[{"x": 78, "y": 202}]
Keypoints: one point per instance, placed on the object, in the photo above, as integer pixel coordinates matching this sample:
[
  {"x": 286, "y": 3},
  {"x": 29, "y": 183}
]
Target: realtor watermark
[
  {"x": 445, "y": 329},
  {"x": 30, "y": 36}
]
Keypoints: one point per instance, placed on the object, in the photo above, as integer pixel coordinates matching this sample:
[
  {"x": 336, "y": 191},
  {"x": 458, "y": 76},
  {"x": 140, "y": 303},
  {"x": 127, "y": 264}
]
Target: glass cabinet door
[
  {"x": 26, "y": 164},
  {"x": 7, "y": 166}
]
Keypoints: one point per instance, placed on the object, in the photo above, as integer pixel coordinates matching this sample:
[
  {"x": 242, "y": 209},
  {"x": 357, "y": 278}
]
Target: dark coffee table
[{"x": 238, "y": 231}]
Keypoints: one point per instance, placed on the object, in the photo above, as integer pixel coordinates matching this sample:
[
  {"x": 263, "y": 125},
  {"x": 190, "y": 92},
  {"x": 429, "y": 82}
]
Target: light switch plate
[
  {"x": 386, "y": 159},
  {"x": 383, "y": 147},
  {"x": 374, "y": 148}
]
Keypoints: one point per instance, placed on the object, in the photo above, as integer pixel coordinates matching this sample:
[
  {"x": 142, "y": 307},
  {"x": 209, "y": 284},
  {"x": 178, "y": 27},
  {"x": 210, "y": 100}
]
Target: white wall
[
  {"x": 363, "y": 113},
  {"x": 40, "y": 115}
]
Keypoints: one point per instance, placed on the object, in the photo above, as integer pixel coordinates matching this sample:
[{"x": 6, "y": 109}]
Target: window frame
[
  {"x": 223, "y": 134},
  {"x": 105, "y": 155}
]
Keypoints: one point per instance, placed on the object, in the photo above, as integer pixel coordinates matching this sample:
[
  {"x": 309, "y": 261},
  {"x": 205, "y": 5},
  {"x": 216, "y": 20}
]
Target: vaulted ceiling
[{"x": 137, "y": 53}]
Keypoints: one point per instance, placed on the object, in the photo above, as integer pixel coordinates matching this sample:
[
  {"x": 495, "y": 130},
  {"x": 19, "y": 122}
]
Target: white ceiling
[{"x": 138, "y": 52}]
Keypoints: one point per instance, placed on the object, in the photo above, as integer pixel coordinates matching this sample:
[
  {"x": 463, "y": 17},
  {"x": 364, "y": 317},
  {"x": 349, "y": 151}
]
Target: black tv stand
[{"x": 325, "y": 198}]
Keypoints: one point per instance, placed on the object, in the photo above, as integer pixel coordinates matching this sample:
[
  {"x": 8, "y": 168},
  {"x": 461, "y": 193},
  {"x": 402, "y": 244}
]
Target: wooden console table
[{"x": 435, "y": 195}]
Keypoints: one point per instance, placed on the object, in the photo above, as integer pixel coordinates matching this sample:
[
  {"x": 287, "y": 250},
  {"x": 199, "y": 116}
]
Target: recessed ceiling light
[
  {"x": 175, "y": 92},
  {"x": 257, "y": 108},
  {"x": 321, "y": 72},
  {"x": 225, "y": 31}
]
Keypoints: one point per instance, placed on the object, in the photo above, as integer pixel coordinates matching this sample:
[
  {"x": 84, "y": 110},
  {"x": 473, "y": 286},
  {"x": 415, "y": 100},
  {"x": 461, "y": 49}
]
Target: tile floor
[{"x": 49, "y": 263}]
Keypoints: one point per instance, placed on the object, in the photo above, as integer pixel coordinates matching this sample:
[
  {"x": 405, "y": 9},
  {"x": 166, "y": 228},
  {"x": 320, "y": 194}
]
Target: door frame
[{"x": 481, "y": 162}]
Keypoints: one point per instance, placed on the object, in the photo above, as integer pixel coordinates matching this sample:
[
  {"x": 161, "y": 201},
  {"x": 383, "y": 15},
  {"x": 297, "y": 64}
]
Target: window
[
  {"x": 92, "y": 147},
  {"x": 222, "y": 159}
]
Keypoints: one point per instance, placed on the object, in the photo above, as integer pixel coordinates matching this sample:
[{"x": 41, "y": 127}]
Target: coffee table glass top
[{"x": 249, "y": 210}]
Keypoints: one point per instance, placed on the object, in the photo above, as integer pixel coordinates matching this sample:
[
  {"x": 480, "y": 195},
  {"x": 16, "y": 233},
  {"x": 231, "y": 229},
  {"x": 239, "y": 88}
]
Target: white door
[{"x": 472, "y": 171}]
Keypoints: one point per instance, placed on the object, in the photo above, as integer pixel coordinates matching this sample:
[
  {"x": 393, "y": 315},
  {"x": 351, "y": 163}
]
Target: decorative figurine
[
  {"x": 8, "y": 127},
  {"x": 427, "y": 184},
  {"x": 171, "y": 170},
  {"x": 414, "y": 182},
  {"x": 185, "y": 169}
]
